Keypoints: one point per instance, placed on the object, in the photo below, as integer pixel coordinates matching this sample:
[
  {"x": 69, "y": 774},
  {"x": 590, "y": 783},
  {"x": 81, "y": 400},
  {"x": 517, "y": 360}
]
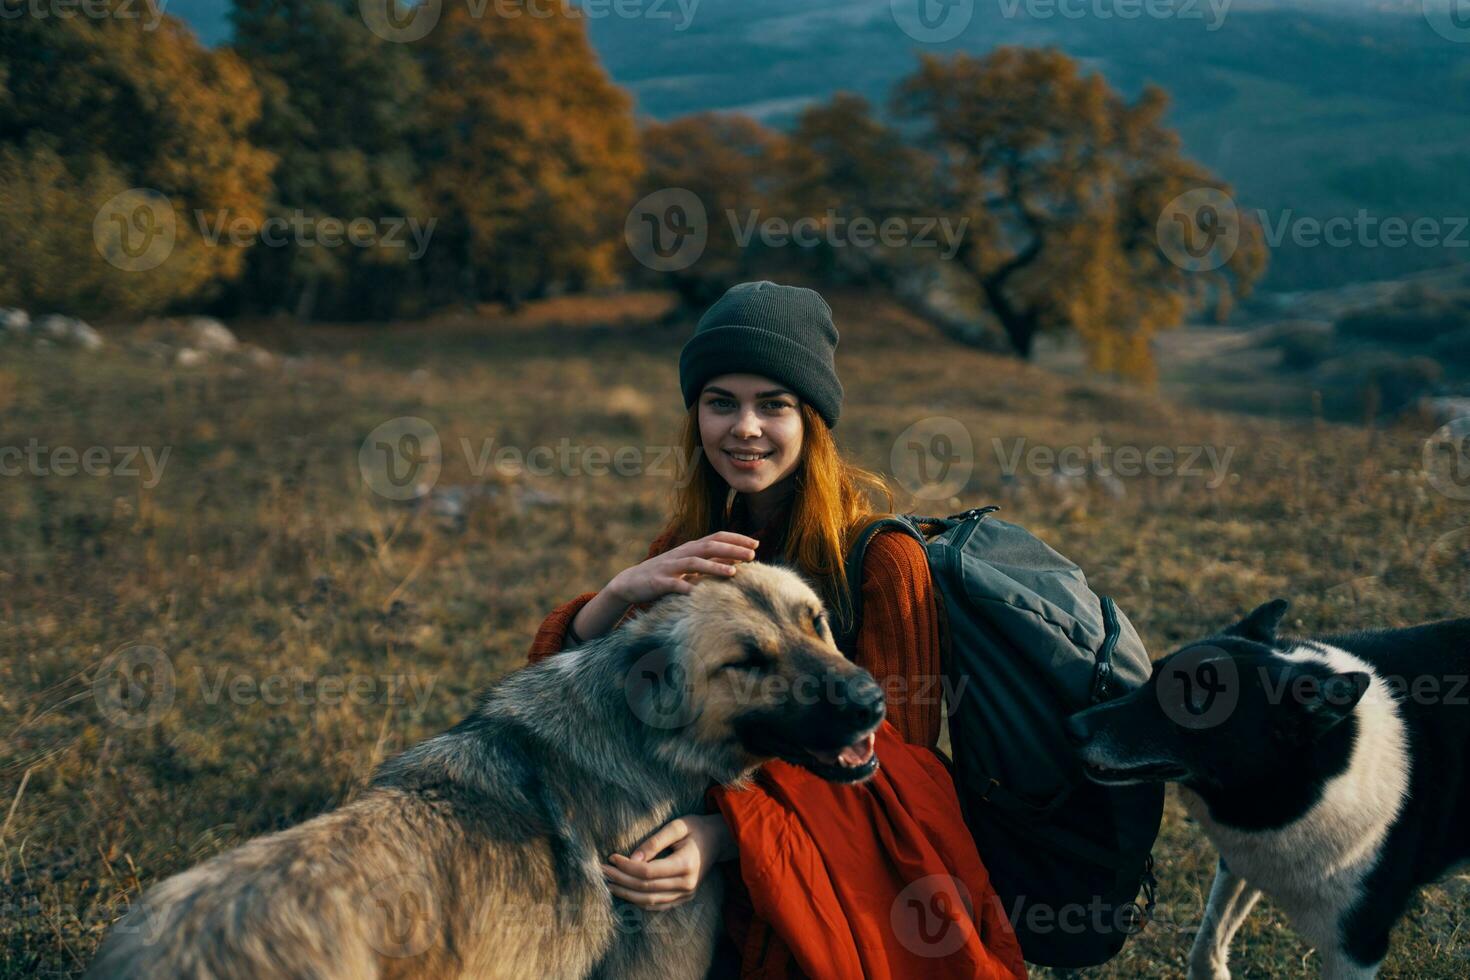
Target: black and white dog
[{"x": 1330, "y": 773}]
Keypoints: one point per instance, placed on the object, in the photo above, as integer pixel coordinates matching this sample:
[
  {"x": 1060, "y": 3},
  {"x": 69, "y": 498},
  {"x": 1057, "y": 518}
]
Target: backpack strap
[
  {"x": 847, "y": 631},
  {"x": 910, "y": 524}
]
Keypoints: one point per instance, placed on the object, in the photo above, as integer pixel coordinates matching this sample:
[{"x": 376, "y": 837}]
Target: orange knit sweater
[{"x": 910, "y": 809}]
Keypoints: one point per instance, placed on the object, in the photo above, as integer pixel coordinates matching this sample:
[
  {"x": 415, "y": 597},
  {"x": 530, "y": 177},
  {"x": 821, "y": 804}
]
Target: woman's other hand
[
  {"x": 696, "y": 842},
  {"x": 714, "y": 554}
]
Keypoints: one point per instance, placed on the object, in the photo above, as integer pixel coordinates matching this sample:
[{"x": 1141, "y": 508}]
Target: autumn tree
[
  {"x": 843, "y": 165},
  {"x": 846, "y": 165},
  {"x": 1065, "y": 183},
  {"x": 732, "y": 165},
  {"x": 339, "y": 107},
  {"x": 111, "y": 138},
  {"x": 530, "y": 154}
]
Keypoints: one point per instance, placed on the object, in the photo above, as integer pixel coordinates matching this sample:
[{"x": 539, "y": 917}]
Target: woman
[{"x": 879, "y": 879}]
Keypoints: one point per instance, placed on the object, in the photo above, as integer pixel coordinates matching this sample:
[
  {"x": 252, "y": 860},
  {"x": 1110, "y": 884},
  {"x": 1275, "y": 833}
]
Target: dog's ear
[
  {"x": 1261, "y": 624},
  {"x": 1332, "y": 700}
]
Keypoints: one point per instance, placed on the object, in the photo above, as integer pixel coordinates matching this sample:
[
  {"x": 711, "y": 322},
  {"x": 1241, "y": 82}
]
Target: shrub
[
  {"x": 1303, "y": 344},
  {"x": 1378, "y": 381},
  {"x": 1416, "y": 317}
]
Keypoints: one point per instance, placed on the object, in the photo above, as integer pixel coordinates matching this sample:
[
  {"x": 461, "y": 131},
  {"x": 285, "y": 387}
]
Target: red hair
[{"x": 830, "y": 507}]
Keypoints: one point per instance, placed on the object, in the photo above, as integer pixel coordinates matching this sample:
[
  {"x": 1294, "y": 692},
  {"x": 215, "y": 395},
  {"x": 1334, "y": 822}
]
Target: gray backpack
[{"x": 1026, "y": 644}]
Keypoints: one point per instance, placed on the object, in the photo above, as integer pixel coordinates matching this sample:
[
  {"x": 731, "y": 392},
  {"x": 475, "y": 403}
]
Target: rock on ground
[{"x": 66, "y": 331}]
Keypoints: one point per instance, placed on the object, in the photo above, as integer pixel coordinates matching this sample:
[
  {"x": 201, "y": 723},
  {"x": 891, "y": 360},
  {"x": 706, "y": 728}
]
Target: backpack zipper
[
  {"x": 1103, "y": 676},
  {"x": 971, "y": 520}
]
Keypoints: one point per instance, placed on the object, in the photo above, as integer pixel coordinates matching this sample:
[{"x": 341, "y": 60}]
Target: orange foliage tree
[
  {"x": 1065, "y": 184},
  {"x": 844, "y": 164},
  {"x": 530, "y": 155},
  {"x": 733, "y": 165},
  {"x": 96, "y": 107},
  {"x": 339, "y": 110}
]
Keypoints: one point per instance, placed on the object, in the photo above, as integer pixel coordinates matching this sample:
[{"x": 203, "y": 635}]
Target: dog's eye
[
  {"x": 755, "y": 659},
  {"x": 746, "y": 664},
  {"x": 819, "y": 623},
  {"x": 756, "y": 664}
]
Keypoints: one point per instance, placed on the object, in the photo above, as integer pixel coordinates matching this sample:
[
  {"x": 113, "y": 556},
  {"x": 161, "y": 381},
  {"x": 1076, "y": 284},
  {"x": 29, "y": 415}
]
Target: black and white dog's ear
[
  {"x": 1260, "y": 625},
  {"x": 1333, "y": 700}
]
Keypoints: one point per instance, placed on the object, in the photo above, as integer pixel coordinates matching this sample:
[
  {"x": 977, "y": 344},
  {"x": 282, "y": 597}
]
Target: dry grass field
[{"x": 306, "y": 627}]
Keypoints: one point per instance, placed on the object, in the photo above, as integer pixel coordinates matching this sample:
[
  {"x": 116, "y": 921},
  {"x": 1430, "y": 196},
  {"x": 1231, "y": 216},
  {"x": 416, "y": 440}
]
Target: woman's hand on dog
[
  {"x": 714, "y": 554},
  {"x": 696, "y": 842}
]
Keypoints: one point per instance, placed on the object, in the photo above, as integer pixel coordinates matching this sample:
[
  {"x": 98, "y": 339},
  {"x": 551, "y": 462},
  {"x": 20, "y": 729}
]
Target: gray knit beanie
[{"x": 781, "y": 332}]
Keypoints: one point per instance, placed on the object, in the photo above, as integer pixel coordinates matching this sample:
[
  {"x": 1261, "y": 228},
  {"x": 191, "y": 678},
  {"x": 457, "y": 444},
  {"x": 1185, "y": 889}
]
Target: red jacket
[{"x": 880, "y": 880}]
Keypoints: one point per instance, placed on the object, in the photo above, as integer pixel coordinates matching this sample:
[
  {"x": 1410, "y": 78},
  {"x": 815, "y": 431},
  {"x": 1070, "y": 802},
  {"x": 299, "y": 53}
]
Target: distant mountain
[{"x": 1311, "y": 108}]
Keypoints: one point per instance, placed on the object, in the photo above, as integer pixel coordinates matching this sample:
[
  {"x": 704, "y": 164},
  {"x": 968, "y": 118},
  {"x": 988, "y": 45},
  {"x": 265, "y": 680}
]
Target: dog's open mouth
[
  {"x": 1152, "y": 772},
  {"x": 849, "y": 764}
]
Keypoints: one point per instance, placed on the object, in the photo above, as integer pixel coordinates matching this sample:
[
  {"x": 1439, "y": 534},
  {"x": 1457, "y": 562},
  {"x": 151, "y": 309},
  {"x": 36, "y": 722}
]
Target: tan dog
[{"x": 476, "y": 853}]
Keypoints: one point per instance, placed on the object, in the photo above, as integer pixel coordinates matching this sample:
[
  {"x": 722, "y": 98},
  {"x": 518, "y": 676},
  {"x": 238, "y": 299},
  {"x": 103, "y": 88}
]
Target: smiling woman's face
[{"x": 748, "y": 414}]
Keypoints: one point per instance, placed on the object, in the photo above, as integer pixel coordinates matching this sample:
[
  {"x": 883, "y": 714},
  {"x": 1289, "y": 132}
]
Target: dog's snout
[
  {"x": 1077, "y": 730},
  {"x": 859, "y": 699}
]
